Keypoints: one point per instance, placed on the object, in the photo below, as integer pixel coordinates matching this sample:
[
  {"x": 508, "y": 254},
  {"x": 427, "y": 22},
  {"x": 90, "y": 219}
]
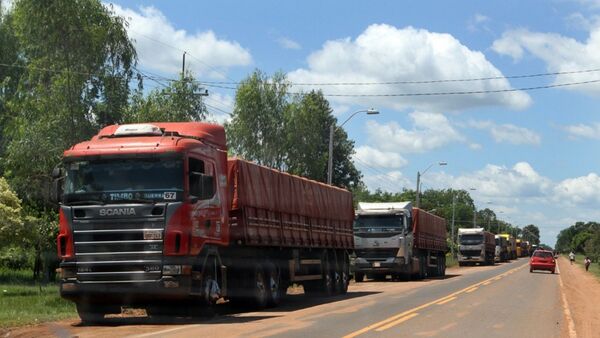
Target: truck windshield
[
  {"x": 112, "y": 180},
  {"x": 379, "y": 223},
  {"x": 471, "y": 239}
]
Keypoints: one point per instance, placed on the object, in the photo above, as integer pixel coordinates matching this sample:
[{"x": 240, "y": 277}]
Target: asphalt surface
[{"x": 492, "y": 301}]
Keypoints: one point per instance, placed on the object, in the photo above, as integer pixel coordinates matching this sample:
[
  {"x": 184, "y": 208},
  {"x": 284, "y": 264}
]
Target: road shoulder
[{"x": 582, "y": 291}]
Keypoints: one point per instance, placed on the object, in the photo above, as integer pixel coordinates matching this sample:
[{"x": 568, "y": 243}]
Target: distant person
[
  {"x": 571, "y": 257},
  {"x": 587, "y": 262}
]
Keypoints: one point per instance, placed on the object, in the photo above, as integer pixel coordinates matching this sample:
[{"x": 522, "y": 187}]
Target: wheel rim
[{"x": 260, "y": 287}]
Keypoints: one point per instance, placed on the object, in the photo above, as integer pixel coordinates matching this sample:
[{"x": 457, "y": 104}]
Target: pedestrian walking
[
  {"x": 571, "y": 257},
  {"x": 587, "y": 262}
]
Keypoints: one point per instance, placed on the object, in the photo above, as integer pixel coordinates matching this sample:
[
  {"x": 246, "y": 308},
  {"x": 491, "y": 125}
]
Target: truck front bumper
[
  {"x": 168, "y": 288},
  {"x": 390, "y": 265}
]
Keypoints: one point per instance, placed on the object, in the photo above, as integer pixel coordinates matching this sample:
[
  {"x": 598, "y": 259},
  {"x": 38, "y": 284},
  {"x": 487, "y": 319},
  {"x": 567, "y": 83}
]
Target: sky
[{"x": 529, "y": 155}]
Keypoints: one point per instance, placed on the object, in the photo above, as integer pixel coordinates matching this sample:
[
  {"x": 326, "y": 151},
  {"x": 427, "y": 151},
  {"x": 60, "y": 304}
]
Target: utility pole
[
  {"x": 452, "y": 227},
  {"x": 418, "y": 199},
  {"x": 330, "y": 161},
  {"x": 183, "y": 67}
]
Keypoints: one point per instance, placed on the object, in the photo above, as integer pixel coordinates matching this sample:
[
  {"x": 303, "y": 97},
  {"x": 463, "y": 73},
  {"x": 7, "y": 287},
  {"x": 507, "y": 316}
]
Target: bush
[
  {"x": 15, "y": 258},
  {"x": 592, "y": 247}
]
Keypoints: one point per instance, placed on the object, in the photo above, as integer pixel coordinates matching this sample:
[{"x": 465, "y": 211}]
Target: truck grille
[
  {"x": 376, "y": 254},
  {"x": 114, "y": 250},
  {"x": 470, "y": 253}
]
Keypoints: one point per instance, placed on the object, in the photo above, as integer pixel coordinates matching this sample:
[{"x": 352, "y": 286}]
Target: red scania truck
[{"x": 155, "y": 216}]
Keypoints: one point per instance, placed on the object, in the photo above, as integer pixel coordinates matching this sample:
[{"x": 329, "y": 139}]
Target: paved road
[{"x": 500, "y": 301}]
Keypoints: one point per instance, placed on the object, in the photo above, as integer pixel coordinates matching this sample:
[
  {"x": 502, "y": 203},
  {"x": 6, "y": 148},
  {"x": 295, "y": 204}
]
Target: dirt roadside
[{"x": 582, "y": 291}]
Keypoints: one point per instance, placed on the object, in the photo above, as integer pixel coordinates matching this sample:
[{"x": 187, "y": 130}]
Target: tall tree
[
  {"x": 531, "y": 233},
  {"x": 256, "y": 131},
  {"x": 79, "y": 64},
  {"x": 307, "y": 127},
  {"x": 179, "y": 101}
]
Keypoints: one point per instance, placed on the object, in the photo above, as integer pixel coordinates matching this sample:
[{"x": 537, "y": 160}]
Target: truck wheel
[
  {"x": 259, "y": 287},
  {"x": 359, "y": 277},
  {"x": 273, "y": 275},
  {"x": 345, "y": 276},
  {"x": 461, "y": 264},
  {"x": 327, "y": 281},
  {"x": 94, "y": 314}
]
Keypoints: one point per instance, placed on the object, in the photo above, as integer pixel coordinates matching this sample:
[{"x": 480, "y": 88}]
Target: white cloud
[
  {"x": 392, "y": 181},
  {"x": 152, "y": 32},
  {"x": 385, "y": 53},
  {"x": 430, "y": 131},
  {"x": 288, "y": 43},
  {"x": 378, "y": 158},
  {"x": 591, "y": 131},
  {"x": 478, "y": 21},
  {"x": 499, "y": 182},
  {"x": 508, "y": 133},
  {"x": 579, "y": 190},
  {"x": 559, "y": 52}
]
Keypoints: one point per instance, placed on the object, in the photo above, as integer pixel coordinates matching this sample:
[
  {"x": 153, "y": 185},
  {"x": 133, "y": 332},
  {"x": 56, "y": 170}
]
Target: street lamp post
[
  {"x": 370, "y": 111},
  {"x": 452, "y": 228},
  {"x": 419, "y": 174},
  {"x": 474, "y": 211}
]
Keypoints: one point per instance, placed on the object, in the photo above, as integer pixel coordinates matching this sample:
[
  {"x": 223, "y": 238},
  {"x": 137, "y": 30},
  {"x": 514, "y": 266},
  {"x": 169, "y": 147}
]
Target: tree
[
  {"x": 307, "y": 123},
  {"x": 531, "y": 233},
  {"x": 257, "y": 131},
  {"x": 179, "y": 101},
  {"x": 11, "y": 224},
  {"x": 78, "y": 67}
]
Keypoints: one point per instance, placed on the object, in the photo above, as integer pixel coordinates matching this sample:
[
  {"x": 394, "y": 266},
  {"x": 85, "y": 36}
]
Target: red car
[{"x": 542, "y": 260}]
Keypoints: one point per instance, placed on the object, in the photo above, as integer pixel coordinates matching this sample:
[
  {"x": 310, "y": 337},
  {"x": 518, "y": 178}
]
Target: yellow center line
[
  {"x": 486, "y": 283},
  {"x": 446, "y": 301},
  {"x": 403, "y": 319},
  {"x": 420, "y": 307},
  {"x": 471, "y": 290}
]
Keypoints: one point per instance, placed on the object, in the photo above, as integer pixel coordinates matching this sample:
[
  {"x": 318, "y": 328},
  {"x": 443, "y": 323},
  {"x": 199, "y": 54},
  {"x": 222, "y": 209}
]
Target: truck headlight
[
  {"x": 171, "y": 269},
  {"x": 399, "y": 260}
]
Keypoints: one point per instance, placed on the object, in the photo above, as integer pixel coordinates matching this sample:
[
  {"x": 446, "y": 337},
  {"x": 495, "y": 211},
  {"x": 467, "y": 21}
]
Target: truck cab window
[{"x": 201, "y": 181}]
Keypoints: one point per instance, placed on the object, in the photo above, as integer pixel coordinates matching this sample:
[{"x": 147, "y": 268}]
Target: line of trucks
[
  {"x": 156, "y": 215},
  {"x": 478, "y": 246}
]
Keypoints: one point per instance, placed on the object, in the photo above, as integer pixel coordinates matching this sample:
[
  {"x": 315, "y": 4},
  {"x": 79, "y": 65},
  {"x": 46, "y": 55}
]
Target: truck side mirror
[{"x": 57, "y": 190}]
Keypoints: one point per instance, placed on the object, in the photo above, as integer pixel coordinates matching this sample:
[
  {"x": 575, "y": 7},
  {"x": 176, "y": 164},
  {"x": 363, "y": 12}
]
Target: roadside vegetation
[
  {"x": 25, "y": 302},
  {"x": 583, "y": 238},
  {"x": 594, "y": 268}
]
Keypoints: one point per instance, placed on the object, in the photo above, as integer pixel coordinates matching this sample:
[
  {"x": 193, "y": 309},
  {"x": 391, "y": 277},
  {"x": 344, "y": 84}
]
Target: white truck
[
  {"x": 475, "y": 246},
  {"x": 398, "y": 240}
]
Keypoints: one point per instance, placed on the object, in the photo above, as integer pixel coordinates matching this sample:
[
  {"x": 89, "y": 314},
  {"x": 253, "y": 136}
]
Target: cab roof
[{"x": 144, "y": 138}]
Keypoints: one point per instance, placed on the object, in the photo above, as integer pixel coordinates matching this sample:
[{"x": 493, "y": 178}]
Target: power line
[
  {"x": 381, "y": 176},
  {"x": 466, "y": 92},
  {"x": 425, "y": 81}
]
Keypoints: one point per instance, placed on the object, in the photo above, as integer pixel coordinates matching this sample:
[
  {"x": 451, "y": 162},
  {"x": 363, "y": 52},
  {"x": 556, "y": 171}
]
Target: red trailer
[
  {"x": 429, "y": 231},
  {"x": 154, "y": 215}
]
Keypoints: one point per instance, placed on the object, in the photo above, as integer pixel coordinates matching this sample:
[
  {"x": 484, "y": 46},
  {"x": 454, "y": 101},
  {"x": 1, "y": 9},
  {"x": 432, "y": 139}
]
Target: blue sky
[{"x": 530, "y": 155}]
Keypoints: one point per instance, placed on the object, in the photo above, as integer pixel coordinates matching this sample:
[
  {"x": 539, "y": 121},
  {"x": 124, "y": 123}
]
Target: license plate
[
  {"x": 152, "y": 234},
  {"x": 376, "y": 264}
]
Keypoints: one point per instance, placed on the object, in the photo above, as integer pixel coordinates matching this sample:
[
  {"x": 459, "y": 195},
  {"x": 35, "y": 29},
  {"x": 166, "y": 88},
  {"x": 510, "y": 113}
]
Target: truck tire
[
  {"x": 359, "y": 277},
  {"x": 327, "y": 281},
  {"x": 94, "y": 314},
  {"x": 259, "y": 290},
  {"x": 276, "y": 292}
]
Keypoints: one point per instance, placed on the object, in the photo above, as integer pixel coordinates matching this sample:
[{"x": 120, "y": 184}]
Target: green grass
[
  {"x": 451, "y": 261},
  {"x": 594, "y": 268},
  {"x": 23, "y": 302}
]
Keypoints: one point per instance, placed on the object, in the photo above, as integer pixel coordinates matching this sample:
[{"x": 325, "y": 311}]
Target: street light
[
  {"x": 370, "y": 111},
  {"x": 474, "y": 211},
  {"x": 419, "y": 174}
]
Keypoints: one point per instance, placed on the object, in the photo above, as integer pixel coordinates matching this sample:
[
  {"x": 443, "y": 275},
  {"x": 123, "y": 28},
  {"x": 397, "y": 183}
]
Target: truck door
[{"x": 206, "y": 203}]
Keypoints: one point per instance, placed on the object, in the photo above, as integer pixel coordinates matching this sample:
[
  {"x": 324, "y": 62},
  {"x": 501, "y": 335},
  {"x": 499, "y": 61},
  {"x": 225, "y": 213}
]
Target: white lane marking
[
  {"x": 570, "y": 323},
  {"x": 161, "y": 333}
]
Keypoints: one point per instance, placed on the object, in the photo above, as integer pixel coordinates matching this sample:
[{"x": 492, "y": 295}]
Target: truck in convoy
[
  {"x": 398, "y": 240},
  {"x": 155, "y": 216},
  {"x": 519, "y": 248},
  {"x": 475, "y": 246},
  {"x": 511, "y": 245},
  {"x": 501, "y": 249}
]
